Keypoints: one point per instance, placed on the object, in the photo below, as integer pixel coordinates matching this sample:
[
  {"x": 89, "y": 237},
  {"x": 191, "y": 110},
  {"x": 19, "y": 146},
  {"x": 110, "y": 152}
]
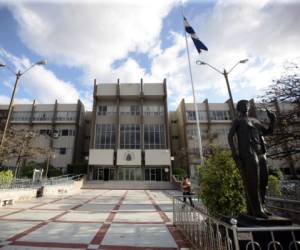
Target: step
[{"x": 135, "y": 185}]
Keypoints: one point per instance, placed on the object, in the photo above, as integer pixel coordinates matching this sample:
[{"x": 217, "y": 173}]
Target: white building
[
  {"x": 66, "y": 121},
  {"x": 129, "y": 137}
]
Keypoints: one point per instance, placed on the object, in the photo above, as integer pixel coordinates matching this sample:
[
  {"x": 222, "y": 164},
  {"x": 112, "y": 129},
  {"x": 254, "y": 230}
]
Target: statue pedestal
[
  {"x": 271, "y": 221},
  {"x": 264, "y": 232}
]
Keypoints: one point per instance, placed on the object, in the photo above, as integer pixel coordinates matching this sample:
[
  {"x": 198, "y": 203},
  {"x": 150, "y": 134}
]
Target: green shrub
[
  {"x": 77, "y": 168},
  {"x": 221, "y": 187},
  {"x": 28, "y": 168},
  {"x": 179, "y": 172},
  {"x": 6, "y": 177},
  {"x": 274, "y": 186}
]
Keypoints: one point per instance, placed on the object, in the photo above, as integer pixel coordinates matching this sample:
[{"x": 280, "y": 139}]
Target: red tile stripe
[
  {"x": 34, "y": 228},
  {"x": 109, "y": 247},
  {"x": 158, "y": 209},
  {"x": 98, "y": 238},
  {"x": 179, "y": 238},
  {"x": 49, "y": 244}
]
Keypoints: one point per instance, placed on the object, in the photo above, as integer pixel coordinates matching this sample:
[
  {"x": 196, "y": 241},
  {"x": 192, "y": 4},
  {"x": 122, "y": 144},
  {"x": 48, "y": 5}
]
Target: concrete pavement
[{"x": 92, "y": 219}]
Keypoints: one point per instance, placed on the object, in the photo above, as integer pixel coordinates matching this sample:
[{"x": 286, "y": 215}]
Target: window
[
  {"x": 130, "y": 110},
  {"x": 66, "y": 115},
  {"x": 102, "y": 110},
  {"x": 174, "y": 121},
  {"x": 62, "y": 151},
  {"x": 64, "y": 132},
  {"x": 154, "y": 136},
  {"x": 191, "y": 115},
  {"x": 219, "y": 115},
  {"x": 153, "y": 110},
  {"x": 20, "y": 116},
  {"x": 105, "y": 136},
  {"x": 43, "y": 116},
  {"x": 130, "y": 136},
  {"x": 174, "y": 137}
]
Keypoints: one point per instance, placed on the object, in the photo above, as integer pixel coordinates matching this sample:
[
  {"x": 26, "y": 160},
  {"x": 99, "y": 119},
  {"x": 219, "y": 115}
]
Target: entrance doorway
[{"x": 103, "y": 173}]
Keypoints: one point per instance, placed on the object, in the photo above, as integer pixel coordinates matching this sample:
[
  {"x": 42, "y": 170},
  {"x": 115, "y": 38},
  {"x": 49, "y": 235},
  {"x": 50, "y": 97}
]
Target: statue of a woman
[{"x": 250, "y": 157}]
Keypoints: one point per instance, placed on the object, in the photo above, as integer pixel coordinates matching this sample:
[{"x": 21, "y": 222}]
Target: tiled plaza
[{"x": 92, "y": 219}]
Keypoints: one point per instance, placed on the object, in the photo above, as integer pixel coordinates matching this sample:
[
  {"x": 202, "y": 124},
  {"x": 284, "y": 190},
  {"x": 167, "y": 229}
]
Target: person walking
[{"x": 186, "y": 188}]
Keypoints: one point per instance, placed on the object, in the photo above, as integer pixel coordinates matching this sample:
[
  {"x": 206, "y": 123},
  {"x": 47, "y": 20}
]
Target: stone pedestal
[{"x": 271, "y": 221}]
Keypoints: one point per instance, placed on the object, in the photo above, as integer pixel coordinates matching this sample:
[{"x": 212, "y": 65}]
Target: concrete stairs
[{"x": 134, "y": 185}]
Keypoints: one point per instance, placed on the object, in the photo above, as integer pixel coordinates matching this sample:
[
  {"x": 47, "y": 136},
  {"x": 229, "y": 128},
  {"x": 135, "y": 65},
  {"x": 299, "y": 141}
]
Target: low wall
[{"x": 29, "y": 193}]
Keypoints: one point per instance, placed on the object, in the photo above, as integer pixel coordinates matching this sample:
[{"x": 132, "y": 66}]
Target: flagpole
[{"x": 193, "y": 90}]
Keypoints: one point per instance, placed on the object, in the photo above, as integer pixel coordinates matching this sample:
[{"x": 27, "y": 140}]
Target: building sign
[{"x": 129, "y": 156}]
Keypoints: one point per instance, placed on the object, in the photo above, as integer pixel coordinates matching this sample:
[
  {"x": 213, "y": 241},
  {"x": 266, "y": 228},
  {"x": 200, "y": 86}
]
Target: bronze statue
[{"x": 250, "y": 157}]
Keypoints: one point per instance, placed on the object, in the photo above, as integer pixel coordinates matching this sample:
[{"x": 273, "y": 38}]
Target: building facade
[
  {"x": 215, "y": 122},
  {"x": 59, "y": 130},
  {"x": 129, "y": 135}
]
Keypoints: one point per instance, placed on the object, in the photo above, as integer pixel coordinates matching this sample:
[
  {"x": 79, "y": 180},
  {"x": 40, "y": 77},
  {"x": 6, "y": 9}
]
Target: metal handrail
[
  {"x": 28, "y": 183},
  {"x": 205, "y": 231}
]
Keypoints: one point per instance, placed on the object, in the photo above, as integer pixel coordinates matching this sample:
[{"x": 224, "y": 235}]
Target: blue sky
[{"x": 130, "y": 40}]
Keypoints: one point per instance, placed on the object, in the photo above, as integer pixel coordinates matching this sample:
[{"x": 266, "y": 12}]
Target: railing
[
  {"x": 28, "y": 183},
  {"x": 206, "y": 232}
]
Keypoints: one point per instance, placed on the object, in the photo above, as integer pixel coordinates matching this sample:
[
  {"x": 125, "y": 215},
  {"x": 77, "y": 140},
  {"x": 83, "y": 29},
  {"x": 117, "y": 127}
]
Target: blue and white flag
[{"x": 198, "y": 44}]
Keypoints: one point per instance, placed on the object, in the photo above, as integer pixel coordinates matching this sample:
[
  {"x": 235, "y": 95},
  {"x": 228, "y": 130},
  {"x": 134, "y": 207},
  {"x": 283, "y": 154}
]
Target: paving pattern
[{"x": 92, "y": 219}]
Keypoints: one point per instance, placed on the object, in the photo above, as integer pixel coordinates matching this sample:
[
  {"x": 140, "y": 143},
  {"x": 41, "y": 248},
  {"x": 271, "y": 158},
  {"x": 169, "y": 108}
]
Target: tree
[
  {"x": 18, "y": 146},
  {"x": 284, "y": 144},
  {"x": 221, "y": 187}
]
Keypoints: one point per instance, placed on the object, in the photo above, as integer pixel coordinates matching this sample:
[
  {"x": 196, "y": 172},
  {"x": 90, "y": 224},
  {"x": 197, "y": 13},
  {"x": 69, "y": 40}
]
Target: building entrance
[{"x": 103, "y": 173}]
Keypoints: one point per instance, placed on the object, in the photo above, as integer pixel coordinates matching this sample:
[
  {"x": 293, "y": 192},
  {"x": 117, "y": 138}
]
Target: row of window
[
  {"x": 213, "y": 115},
  {"x": 44, "y": 116},
  {"x": 148, "y": 110},
  {"x": 61, "y": 132},
  {"x": 130, "y": 136}
]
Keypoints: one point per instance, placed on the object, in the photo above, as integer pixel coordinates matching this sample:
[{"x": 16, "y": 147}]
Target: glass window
[
  {"x": 130, "y": 136},
  {"x": 154, "y": 136},
  {"x": 191, "y": 115},
  {"x": 219, "y": 115},
  {"x": 102, "y": 110},
  {"x": 153, "y": 110},
  {"x": 21, "y": 116},
  {"x": 66, "y": 115},
  {"x": 105, "y": 136},
  {"x": 62, "y": 151},
  {"x": 43, "y": 116}
]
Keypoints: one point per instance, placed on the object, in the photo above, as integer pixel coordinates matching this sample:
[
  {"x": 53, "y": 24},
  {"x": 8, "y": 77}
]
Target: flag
[{"x": 198, "y": 44}]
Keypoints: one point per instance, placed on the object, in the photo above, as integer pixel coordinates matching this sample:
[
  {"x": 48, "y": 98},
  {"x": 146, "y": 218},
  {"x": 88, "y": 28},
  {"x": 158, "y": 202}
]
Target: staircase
[{"x": 134, "y": 185}]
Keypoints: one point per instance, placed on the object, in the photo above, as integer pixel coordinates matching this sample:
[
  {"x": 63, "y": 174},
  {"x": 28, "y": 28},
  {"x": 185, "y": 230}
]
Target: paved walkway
[{"x": 93, "y": 219}]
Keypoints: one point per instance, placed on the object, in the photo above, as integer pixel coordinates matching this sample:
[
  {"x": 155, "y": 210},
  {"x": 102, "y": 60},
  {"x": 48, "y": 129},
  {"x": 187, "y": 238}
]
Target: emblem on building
[{"x": 128, "y": 156}]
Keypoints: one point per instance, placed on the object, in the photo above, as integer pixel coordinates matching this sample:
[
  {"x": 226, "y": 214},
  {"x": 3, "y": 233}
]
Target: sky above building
[{"x": 130, "y": 40}]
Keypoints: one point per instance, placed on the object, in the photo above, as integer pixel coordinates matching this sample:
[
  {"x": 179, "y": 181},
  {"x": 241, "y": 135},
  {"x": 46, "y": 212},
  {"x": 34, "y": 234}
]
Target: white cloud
[
  {"x": 39, "y": 83},
  {"x": 90, "y": 35}
]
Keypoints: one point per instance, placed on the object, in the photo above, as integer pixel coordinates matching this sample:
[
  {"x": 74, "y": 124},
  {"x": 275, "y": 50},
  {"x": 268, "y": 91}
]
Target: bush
[
  {"x": 28, "y": 168},
  {"x": 221, "y": 187},
  {"x": 77, "y": 168},
  {"x": 179, "y": 172},
  {"x": 274, "y": 186},
  {"x": 6, "y": 177}
]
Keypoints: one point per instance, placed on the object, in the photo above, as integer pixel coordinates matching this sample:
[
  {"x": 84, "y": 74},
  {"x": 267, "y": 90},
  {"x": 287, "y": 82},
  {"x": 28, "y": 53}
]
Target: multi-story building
[
  {"x": 59, "y": 130},
  {"x": 215, "y": 122},
  {"x": 129, "y": 137}
]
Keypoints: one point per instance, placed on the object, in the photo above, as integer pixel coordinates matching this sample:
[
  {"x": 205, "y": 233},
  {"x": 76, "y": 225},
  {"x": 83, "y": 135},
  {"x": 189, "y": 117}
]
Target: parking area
[{"x": 93, "y": 219}]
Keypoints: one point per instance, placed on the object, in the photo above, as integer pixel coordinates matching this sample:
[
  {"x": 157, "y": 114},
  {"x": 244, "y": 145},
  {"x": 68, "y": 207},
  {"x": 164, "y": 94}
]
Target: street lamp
[
  {"x": 225, "y": 74},
  {"x": 52, "y": 135},
  {"x": 18, "y": 75}
]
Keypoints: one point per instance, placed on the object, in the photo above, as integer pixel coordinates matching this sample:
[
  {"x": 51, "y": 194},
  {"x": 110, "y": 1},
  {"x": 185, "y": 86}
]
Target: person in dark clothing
[{"x": 186, "y": 188}]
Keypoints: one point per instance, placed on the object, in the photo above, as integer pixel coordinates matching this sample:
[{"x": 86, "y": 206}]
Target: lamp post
[
  {"x": 225, "y": 74},
  {"x": 53, "y": 136},
  {"x": 18, "y": 76}
]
